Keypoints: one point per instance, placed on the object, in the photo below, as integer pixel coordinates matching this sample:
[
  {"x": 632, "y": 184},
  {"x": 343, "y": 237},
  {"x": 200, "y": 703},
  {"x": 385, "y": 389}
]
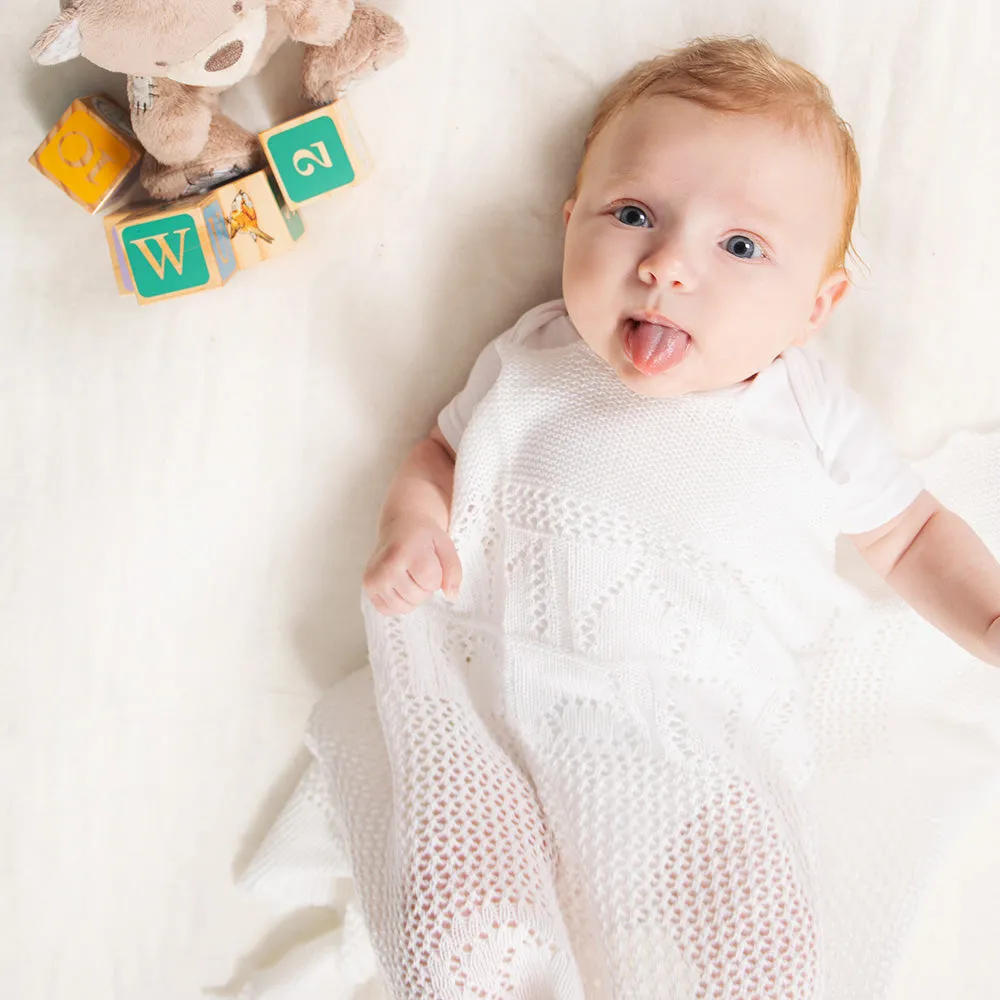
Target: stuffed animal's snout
[{"x": 226, "y": 59}]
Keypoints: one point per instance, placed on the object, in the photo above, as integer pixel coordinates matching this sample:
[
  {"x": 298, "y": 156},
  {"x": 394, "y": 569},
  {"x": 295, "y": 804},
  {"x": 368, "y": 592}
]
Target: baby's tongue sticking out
[{"x": 653, "y": 349}]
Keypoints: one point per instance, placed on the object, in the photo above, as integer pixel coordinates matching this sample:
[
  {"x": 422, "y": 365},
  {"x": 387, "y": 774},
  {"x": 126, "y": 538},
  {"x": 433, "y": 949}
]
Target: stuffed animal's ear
[{"x": 60, "y": 41}]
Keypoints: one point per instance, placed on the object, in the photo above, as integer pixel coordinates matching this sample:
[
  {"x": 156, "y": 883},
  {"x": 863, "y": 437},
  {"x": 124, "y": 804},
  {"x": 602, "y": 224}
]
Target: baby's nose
[
  {"x": 227, "y": 56},
  {"x": 666, "y": 269}
]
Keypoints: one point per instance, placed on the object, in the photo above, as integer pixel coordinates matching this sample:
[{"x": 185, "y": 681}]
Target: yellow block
[{"x": 90, "y": 153}]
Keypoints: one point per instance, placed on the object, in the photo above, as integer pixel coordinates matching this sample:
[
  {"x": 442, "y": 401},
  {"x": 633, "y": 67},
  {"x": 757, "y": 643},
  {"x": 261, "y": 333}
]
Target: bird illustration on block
[{"x": 243, "y": 219}]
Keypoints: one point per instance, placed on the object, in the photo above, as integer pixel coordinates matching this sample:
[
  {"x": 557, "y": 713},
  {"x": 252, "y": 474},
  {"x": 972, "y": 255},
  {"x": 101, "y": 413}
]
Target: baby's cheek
[
  {"x": 582, "y": 250},
  {"x": 575, "y": 281},
  {"x": 586, "y": 276}
]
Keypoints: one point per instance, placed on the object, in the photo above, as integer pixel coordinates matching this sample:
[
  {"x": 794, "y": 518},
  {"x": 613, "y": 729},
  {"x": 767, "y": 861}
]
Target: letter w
[{"x": 166, "y": 253}]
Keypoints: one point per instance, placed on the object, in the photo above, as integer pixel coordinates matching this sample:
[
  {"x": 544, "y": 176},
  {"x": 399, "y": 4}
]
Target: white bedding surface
[{"x": 188, "y": 491}]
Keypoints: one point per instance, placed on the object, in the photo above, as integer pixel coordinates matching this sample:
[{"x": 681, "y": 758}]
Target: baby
[
  {"x": 651, "y": 475},
  {"x": 706, "y": 237}
]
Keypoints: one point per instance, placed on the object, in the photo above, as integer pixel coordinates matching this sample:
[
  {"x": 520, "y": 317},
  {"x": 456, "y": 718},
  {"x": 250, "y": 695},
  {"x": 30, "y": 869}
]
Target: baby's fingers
[
  {"x": 451, "y": 565},
  {"x": 408, "y": 590},
  {"x": 393, "y": 592},
  {"x": 389, "y": 589},
  {"x": 392, "y": 605},
  {"x": 425, "y": 570}
]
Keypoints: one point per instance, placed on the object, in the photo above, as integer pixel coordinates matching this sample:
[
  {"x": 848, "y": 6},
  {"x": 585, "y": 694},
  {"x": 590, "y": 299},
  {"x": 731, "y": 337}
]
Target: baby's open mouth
[{"x": 653, "y": 348}]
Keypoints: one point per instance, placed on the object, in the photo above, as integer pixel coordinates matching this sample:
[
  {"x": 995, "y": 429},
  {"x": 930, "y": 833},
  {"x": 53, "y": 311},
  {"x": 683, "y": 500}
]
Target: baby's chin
[
  {"x": 667, "y": 386},
  {"x": 694, "y": 373},
  {"x": 687, "y": 376},
  {"x": 678, "y": 381}
]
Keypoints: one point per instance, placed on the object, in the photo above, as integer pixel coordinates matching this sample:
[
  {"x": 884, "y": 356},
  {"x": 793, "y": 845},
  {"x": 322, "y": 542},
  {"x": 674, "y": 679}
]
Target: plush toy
[{"x": 180, "y": 55}]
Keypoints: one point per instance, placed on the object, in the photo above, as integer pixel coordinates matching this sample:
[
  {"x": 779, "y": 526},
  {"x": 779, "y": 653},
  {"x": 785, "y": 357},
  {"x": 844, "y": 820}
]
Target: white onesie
[{"x": 798, "y": 397}]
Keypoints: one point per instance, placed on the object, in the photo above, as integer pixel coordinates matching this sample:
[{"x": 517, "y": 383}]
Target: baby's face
[{"x": 697, "y": 244}]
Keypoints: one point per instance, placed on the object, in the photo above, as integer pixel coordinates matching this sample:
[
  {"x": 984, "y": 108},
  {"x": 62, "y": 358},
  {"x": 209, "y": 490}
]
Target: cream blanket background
[{"x": 188, "y": 491}]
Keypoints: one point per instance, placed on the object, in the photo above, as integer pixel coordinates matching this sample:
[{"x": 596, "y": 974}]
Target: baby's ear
[
  {"x": 60, "y": 41},
  {"x": 829, "y": 294}
]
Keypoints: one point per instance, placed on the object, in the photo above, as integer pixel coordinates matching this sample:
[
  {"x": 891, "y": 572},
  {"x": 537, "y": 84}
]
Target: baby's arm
[
  {"x": 938, "y": 564},
  {"x": 415, "y": 555}
]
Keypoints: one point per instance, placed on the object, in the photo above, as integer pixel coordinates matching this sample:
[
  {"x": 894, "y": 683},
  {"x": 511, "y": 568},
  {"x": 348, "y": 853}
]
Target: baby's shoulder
[
  {"x": 810, "y": 376},
  {"x": 544, "y": 327},
  {"x": 800, "y": 390},
  {"x": 800, "y": 376}
]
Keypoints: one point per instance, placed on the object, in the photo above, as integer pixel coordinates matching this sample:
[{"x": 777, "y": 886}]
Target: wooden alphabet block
[
  {"x": 91, "y": 153},
  {"x": 172, "y": 249},
  {"x": 123, "y": 277},
  {"x": 315, "y": 154},
  {"x": 159, "y": 251},
  {"x": 259, "y": 222}
]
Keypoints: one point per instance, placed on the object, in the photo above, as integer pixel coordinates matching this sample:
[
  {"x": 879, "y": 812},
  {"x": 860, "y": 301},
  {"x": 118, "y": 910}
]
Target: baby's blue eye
[
  {"x": 744, "y": 248},
  {"x": 632, "y": 215}
]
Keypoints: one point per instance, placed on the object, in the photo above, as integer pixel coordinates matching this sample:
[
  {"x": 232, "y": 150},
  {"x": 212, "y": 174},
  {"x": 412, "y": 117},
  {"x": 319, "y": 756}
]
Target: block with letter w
[{"x": 174, "y": 249}]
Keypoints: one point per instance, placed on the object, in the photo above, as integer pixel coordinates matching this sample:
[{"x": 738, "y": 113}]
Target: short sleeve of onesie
[
  {"x": 541, "y": 324},
  {"x": 873, "y": 482},
  {"x": 454, "y": 418}
]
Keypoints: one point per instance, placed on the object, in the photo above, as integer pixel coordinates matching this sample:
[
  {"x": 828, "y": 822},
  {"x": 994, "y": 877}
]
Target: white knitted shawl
[{"x": 658, "y": 748}]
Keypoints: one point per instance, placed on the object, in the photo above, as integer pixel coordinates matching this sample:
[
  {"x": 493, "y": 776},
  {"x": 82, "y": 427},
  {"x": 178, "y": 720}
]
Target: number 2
[{"x": 305, "y": 160}]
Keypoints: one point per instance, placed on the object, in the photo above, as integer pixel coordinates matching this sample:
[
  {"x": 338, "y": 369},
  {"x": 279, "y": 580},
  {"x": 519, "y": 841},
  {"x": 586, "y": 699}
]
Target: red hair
[{"x": 744, "y": 76}]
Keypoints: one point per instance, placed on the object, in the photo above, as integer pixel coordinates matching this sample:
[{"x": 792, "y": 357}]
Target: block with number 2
[{"x": 316, "y": 154}]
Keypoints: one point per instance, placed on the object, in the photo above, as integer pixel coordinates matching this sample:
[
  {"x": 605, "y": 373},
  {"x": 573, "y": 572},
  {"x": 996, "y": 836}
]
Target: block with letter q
[{"x": 91, "y": 153}]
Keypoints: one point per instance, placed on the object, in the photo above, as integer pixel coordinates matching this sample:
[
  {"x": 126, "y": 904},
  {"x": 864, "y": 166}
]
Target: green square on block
[
  {"x": 166, "y": 255},
  {"x": 311, "y": 159}
]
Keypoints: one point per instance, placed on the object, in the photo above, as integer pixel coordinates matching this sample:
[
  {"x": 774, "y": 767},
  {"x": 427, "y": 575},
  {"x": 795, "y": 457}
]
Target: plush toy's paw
[
  {"x": 229, "y": 152},
  {"x": 373, "y": 41},
  {"x": 170, "y": 120},
  {"x": 390, "y": 43}
]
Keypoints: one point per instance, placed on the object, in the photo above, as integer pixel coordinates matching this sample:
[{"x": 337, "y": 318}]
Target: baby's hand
[{"x": 414, "y": 558}]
